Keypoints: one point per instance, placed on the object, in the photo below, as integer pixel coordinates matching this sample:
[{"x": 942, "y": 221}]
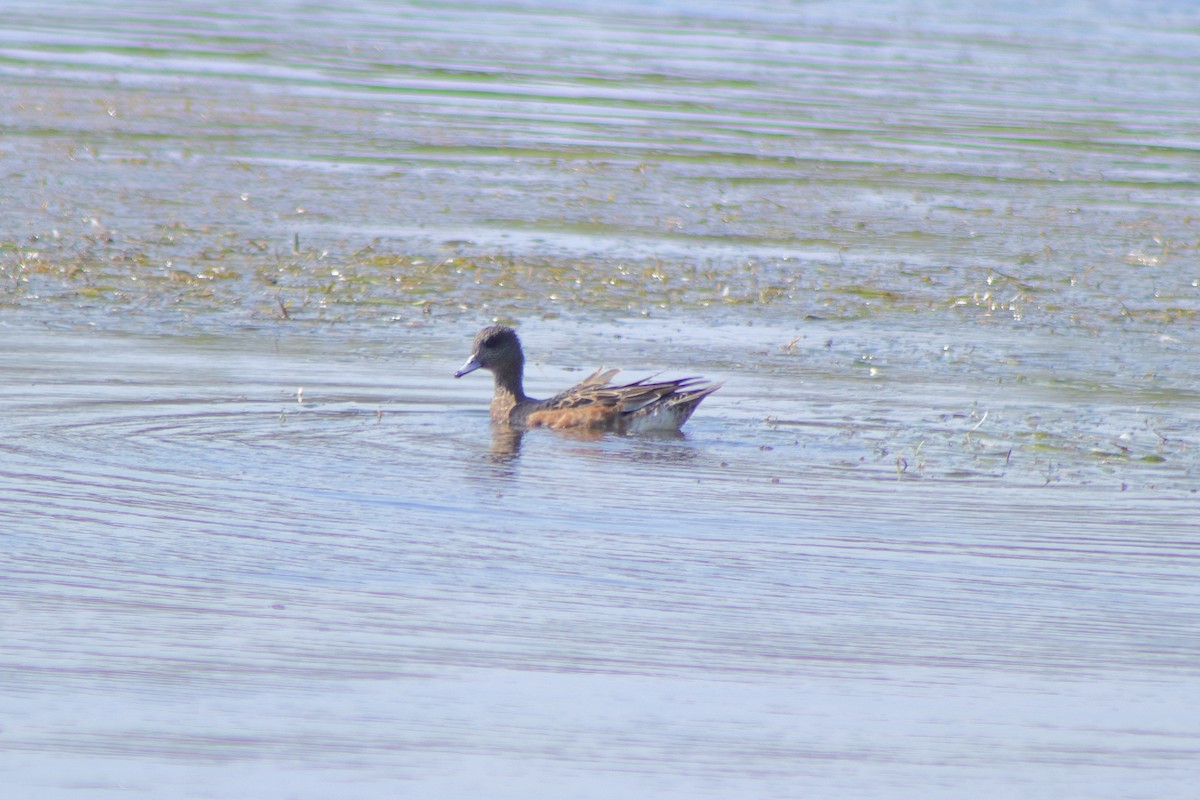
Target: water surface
[{"x": 935, "y": 537}]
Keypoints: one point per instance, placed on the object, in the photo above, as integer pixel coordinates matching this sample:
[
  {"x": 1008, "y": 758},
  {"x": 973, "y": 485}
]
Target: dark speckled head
[{"x": 496, "y": 348}]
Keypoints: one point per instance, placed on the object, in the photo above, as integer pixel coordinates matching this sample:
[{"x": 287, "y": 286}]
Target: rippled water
[
  {"x": 935, "y": 537},
  {"x": 215, "y": 585}
]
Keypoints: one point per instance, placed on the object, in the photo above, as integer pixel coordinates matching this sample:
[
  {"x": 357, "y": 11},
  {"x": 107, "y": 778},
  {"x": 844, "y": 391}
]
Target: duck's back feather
[{"x": 641, "y": 405}]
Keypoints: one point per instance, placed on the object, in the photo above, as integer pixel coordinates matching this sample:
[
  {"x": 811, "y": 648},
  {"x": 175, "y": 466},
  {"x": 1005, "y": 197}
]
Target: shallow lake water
[{"x": 935, "y": 536}]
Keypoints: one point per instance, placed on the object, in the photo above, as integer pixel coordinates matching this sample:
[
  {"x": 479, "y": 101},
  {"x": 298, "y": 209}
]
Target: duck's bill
[{"x": 470, "y": 366}]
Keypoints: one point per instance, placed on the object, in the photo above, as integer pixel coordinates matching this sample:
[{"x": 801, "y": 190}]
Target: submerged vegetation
[{"x": 185, "y": 273}]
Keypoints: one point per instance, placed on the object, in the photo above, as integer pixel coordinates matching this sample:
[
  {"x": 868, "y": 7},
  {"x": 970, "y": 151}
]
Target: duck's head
[{"x": 496, "y": 348}]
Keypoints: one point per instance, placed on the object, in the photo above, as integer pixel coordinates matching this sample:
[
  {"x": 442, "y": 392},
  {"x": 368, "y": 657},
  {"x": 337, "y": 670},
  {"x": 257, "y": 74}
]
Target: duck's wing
[
  {"x": 580, "y": 392},
  {"x": 595, "y": 403},
  {"x": 639, "y": 396},
  {"x": 600, "y": 377},
  {"x": 595, "y": 390}
]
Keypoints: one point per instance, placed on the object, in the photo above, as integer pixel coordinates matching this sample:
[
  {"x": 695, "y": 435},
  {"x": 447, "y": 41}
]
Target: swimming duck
[{"x": 595, "y": 403}]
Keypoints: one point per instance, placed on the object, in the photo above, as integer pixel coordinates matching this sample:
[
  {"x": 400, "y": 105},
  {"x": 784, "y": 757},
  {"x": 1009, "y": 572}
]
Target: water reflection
[
  {"x": 650, "y": 446},
  {"x": 506, "y": 442}
]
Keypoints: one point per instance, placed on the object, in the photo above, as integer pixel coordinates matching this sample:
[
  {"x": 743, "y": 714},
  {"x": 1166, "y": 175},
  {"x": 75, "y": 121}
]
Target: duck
[{"x": 594, "y": 403}]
